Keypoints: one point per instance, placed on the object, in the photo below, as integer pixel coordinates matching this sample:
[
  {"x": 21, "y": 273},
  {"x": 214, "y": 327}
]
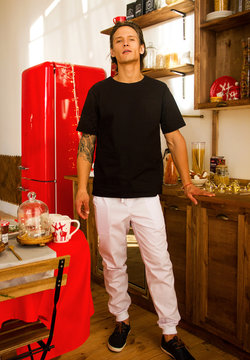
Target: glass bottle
[{"x": 170, "y": 173}]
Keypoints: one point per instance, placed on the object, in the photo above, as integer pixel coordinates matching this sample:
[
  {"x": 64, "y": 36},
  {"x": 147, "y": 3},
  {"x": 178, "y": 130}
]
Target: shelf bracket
[
  {"x": 183, "y": 21},
  {"x": 183, "y": 80}
]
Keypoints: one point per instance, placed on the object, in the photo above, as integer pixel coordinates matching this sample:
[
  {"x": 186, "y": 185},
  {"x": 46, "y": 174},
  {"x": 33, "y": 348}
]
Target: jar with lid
[
  {"x": 33, "y": 219},
  {"x": 247, "y": 5},
  {"x": 5, "y": 231},
  {"x": 221, "y": 176},
  {"x": 150, "y": 59}
]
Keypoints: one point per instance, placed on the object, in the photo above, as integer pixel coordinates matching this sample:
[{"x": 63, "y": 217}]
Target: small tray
[{"x": 25, "y": 240}]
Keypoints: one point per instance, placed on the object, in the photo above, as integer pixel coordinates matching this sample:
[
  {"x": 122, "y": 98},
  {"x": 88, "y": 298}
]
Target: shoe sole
[
  {"x": 166, "y": 352},
  {"x": 117, "y": 350}
]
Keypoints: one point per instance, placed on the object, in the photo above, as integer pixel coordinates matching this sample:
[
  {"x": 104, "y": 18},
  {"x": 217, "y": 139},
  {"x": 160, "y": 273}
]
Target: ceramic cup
[
  {"x": 119, "y": 19},
  {"x": 60, "y": 227}
]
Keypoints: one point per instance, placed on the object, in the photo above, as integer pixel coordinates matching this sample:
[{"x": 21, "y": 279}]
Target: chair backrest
[
  {"x": 18, "y": 333},
  {"x": 32, "y": 286}
]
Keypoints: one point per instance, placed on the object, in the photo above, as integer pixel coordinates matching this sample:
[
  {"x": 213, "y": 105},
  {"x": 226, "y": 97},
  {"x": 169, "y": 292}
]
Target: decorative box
[{"x": 130, "y": 11}]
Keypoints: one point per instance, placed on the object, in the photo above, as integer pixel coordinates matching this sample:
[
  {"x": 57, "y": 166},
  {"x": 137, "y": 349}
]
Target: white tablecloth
[{"x": 28, "y": 254}]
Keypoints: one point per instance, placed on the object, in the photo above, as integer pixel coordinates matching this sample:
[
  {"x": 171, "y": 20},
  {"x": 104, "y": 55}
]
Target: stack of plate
[{"x": 218, "y": 14}]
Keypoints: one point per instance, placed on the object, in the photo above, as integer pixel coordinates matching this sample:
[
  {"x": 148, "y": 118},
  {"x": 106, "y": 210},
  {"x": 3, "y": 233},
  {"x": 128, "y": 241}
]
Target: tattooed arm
[{"x": 84, "y": 163}]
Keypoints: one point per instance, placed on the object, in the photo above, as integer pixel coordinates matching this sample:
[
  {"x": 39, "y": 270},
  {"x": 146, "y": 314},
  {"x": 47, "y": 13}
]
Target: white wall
[{"x": 34, "y": 31}]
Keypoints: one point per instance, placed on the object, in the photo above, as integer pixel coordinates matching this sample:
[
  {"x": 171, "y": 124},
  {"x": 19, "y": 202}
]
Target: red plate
[{"x": 224, "y": 87}]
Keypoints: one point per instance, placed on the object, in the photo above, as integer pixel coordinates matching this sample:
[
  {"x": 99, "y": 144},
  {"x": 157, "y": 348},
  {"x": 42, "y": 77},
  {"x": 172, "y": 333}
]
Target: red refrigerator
[{"x": 53, "y": 95}]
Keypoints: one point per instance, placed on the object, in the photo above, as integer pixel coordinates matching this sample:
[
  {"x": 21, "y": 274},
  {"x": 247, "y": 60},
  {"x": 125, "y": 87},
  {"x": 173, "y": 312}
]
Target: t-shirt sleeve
[
  {"x": 171, "y": 118},
  {"x": 89, "y": 116}
]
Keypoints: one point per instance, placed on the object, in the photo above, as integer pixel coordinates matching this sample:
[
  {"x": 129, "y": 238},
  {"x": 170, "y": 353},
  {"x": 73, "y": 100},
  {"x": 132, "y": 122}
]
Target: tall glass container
[
  {"x": 198, "y": 157},
  {"x": 150, "y": 59}
]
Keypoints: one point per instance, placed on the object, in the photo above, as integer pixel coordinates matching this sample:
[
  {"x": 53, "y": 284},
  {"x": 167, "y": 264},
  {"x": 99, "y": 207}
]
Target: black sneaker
[
  {"x": 176, "y": 349},
  {"x": 117, "y": 339}
]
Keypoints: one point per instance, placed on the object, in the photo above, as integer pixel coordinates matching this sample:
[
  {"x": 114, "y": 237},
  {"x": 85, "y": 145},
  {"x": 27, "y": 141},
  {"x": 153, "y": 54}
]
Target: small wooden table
[{"x": 75, "y": 306}]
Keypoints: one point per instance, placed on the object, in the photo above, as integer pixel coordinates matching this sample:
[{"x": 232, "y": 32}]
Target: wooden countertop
[{"x": 235, "y": 200}]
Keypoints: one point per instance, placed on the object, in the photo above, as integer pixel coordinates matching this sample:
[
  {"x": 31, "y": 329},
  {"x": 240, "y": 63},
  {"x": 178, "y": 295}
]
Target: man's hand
[
  {"x": 191, "y": 190},
  {"x": 82, "y": 204}
]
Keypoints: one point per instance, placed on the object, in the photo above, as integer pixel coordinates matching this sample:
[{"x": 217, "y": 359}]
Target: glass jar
[
  {"x": 5, "y": 231},
  {"x": 247, "y": 5},
  {"x": 150, "y": 59},
  {"x": 33, "y": 218},
  {"x": 198, "y": 157},
  {"x": 221, "y": 176},
  {"x": 220, "y": 5}
]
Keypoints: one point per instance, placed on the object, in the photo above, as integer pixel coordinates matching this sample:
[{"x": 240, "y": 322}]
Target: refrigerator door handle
[
  {"x": 21, "y": 167},
  {"x": 21, "y": 188}
]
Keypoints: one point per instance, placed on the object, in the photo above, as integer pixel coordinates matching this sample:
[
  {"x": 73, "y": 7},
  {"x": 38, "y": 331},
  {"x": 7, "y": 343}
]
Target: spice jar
[
  {"x": 5, "y": 231},
  {"x": 221, "y": 176}
]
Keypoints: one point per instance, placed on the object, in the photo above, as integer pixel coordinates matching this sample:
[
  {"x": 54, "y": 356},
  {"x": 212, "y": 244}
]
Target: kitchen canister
[{"x": 220, "y": 5}]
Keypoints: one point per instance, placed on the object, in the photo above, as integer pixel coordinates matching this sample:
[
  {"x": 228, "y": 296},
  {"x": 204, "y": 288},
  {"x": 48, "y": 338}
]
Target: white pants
[{"x": 113, "y": 218}]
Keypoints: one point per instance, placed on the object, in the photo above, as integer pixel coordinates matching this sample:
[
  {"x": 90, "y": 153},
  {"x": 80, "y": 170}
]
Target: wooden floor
[{"x": 143, "y": 341}]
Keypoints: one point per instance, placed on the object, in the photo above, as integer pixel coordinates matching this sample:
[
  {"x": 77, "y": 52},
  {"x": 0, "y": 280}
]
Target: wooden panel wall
[{"x": 10, "y": 179}]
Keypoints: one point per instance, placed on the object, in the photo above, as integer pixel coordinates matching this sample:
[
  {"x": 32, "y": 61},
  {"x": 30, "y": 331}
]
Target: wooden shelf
[
  {"x": 218, "y": 52},
  {"x": 226, "y": 105},
  {"x": 160, "y": 15},
  {"x": 186, "y": 69},
  {"x": 229, "y": 22}
]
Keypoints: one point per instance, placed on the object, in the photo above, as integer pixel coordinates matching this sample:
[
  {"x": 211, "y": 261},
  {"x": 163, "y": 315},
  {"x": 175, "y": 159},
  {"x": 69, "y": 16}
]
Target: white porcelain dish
[
  {"x": 218, "y": 14},
  {"x": 198, "y": 182}
]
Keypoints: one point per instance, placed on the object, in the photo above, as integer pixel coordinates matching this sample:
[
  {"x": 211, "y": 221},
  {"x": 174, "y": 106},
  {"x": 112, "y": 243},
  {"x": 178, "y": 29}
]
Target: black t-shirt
[{"x": 126, "y": 118}]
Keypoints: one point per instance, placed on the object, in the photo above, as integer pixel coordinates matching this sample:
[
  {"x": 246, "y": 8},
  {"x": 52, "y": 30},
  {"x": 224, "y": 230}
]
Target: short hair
[{"x": 140, "y": 36}]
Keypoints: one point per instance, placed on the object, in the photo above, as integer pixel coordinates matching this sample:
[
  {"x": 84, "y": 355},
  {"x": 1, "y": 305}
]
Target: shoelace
[
  {"x": 120, "y": 327},
  {"x": 178, "y": 343}
]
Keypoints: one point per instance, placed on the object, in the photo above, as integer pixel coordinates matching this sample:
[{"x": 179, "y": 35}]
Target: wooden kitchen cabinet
[
  {"x": 209, "y": 246},
  {"x": 218, "y": 52},
  {"x": 222, "y": 263}
]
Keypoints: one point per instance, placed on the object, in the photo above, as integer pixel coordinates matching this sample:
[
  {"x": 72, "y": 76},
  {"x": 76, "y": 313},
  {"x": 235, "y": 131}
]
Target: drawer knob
[
  {"x": 222, "y": 217},
  {"x": 173, "y": 207}
]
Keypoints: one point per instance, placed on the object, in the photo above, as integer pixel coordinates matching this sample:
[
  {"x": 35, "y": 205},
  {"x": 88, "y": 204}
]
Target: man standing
[{"x": 124, "y": 114}]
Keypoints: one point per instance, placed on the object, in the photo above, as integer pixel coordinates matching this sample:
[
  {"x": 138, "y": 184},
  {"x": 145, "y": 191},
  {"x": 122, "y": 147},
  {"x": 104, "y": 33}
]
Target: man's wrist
[{"x": 186, "y": 185}]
